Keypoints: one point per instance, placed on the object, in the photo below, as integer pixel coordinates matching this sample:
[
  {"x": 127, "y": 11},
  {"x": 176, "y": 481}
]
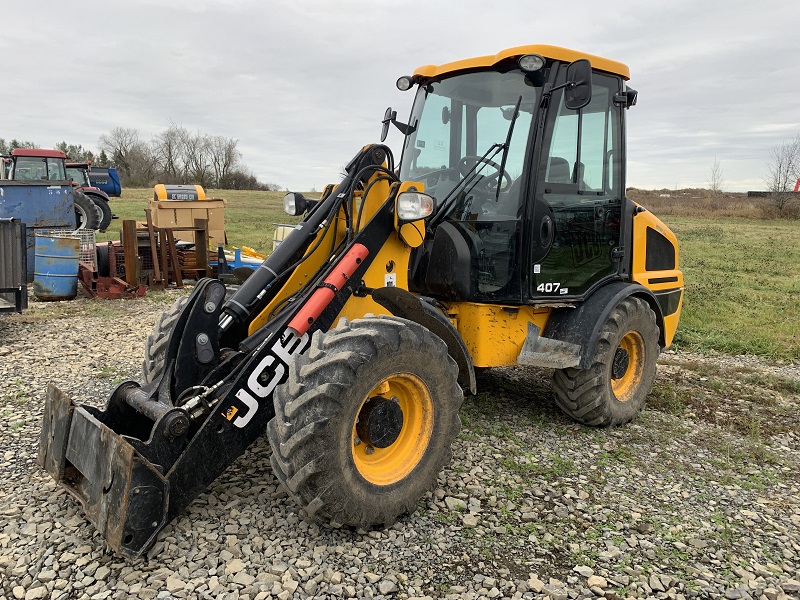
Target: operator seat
[{"x": 558, "y": 170}]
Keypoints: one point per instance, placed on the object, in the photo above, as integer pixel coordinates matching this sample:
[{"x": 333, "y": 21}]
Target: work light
[
  {"x": 531, "y": 62},
  {"x": 404, "y": 83}
]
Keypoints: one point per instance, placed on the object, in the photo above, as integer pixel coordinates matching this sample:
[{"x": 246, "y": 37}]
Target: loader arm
[{"x": 137, "y": 464}]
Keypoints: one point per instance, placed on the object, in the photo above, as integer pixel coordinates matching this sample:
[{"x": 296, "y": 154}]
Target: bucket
[
  {"x": 55, "y": 275},
  {"x": 281, "y": 231}
]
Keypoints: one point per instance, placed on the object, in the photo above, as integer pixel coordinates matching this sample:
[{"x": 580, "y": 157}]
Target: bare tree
[
  {"x": 168, "y": 149},
  {"x": 783, "y": 169},
  {"x": 715, "y": 178},
  {"x": 177, "y": 156},
  {"x": 224, "y": 156},
  {"x": 129, "y": 153},
  {"x": 143, "y": 166},
  {"x": 119, "y": 142},
  {"x": 196, "y": 157}
]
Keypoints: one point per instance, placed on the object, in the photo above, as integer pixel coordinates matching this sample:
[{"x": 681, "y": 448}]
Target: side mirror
[
  {"x": 389, "y": 116},
  {"x": 578, "y": 92}
]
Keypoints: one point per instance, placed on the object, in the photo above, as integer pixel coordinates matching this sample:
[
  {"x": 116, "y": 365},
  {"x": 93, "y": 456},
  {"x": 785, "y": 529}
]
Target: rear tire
[
  {"x": 612, "y": 391},
  {"x": 339, "y": 446},
  {"x": 87, "y": 214}
]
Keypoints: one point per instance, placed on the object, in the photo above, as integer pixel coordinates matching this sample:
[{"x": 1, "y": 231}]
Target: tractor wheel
[
  {"x": 103, "y": 260},
  {"x": 613, "y": 389},
  {"x": 105, "y": 211},
  {"x": 87, "y": 214},
  {"x": 155, "y": 351},
  {"x": 364, "y": 423}
]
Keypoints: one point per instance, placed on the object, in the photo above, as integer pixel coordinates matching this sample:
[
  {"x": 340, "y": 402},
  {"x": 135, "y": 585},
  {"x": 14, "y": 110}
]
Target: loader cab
[{"x": 529, "y": 189}]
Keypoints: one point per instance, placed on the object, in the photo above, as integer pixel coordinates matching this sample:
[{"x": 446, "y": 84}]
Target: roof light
[
  {"x": 404, "y": 83},
  {"x": 531, "y": 62}
]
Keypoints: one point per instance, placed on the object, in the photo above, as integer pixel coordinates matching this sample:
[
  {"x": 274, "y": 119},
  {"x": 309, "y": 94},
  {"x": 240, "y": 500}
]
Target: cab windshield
[
  {"x": 78, "y": 176},
  {"x": 468, "y": 146},
  {"x": 457, "y": 148},
  {"x": 35, "y": 167}
]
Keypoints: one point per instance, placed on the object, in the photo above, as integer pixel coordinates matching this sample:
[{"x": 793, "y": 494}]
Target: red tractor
[
  {"x": 31, "y": 164},
  {"x": 79, "y": 173}
]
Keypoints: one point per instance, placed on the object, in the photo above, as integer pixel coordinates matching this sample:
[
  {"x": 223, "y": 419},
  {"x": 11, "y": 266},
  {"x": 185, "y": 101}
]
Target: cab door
[{"x": 574, "y": 241}]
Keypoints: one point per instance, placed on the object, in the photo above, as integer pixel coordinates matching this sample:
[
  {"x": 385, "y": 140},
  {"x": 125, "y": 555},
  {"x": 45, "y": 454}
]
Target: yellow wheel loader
[{"x": 502, "y": 237}]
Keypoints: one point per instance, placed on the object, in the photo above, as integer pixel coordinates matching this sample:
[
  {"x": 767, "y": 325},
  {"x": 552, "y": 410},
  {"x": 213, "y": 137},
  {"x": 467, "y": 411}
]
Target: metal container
[
  {"x": 40, "y": 205},
  {"x": 13, "y": 259},
  {"x": 281, "y": 231},
  {"x": 56, "y": 273}
]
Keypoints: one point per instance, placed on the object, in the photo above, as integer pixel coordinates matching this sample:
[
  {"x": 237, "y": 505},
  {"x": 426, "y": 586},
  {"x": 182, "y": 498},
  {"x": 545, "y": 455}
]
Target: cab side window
[
  {"x": 55, "y": 169},
  {"x": 578, "y": 193},
  {"x": 582, "y": 143}
]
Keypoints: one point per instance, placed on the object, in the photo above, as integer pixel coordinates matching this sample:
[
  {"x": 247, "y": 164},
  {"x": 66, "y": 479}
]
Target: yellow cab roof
[{"x": 552, "y": 52}]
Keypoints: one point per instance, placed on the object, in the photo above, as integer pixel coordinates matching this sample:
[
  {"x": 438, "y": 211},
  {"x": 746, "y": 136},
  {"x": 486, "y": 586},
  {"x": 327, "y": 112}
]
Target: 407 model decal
[{"x": 551, "y": 288}]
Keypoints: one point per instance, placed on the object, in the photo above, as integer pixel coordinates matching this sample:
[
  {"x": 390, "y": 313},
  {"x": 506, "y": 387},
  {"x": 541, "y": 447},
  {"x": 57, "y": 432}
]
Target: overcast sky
[{"x": 303, "y": 84}]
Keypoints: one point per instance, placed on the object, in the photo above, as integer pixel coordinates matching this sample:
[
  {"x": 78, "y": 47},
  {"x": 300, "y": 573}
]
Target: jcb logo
[{"x": 273, "y": 366}]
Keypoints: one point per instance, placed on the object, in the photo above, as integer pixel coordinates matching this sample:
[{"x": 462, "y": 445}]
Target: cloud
[{"x": 302, "y": 85}]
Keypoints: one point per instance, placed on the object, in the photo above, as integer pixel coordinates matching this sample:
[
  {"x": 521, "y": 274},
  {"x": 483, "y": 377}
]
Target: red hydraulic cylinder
[{"x": 320, "y": 299}]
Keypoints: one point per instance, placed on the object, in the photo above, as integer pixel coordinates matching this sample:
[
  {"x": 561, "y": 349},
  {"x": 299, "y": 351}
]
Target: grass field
[
  {"x": 250, "y": 216},
  {"x": 742, "y": 286},
  {"x": 742, "y": 274}
]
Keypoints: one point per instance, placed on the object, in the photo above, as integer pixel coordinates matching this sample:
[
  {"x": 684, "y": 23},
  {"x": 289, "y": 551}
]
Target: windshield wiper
[
  {"x": 450, "y": 199},
  {"x": 452, "y": 196},
  {"x": 506, "y": 146}
]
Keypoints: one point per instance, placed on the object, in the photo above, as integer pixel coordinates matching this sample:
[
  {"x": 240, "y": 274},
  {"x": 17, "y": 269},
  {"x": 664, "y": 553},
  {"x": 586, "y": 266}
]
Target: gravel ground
[{"x": 700, "y": 497}]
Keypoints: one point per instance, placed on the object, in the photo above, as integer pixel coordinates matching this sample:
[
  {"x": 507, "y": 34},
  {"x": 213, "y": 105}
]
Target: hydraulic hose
[{"x": 264, "y": 283}]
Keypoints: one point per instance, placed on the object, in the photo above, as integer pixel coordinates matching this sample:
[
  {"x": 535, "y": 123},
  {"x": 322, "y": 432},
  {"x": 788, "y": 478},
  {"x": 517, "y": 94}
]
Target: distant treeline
[{"x": 175, "y": 155}]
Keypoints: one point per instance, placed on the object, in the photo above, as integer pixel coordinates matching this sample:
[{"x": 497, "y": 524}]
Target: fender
[
  {"x": 404, "y": 304},
  {"x": 95, "y": 193},
  {"x": 582, "y": 325}
]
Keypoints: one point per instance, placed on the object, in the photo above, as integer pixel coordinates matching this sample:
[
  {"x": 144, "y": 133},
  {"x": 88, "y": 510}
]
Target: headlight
[
  {"x": 294, "y": 204},
  {"x": 412, "y": 206}
]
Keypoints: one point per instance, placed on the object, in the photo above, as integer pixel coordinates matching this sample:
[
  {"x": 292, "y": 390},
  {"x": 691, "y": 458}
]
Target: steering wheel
[{"x": 466, "y": 164}]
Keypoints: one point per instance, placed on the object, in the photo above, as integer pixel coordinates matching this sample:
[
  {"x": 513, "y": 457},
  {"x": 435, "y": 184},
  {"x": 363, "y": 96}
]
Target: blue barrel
[{"x": 55, "y": 275}]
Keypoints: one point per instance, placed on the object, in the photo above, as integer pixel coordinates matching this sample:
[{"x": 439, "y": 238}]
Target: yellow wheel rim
[
  {"x": 625, "y": 386},
  {"x": 385, "y": 466}
]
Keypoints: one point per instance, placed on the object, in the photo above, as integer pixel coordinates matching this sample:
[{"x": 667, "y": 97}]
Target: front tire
[
  {"x": 612, "y": 391},
  {"x": 105, "y": 211},
  {"x": 155, "y": 351},
  {"x": 364, "y": 424}
]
